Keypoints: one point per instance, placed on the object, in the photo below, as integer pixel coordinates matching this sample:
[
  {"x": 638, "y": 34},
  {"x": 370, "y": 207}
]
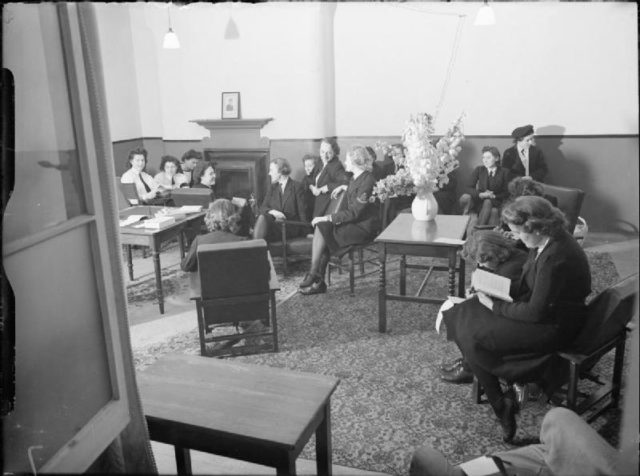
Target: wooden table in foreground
[
  {"x": 249, "y": 412},
  {"x": 153, "y": 238},
  {"x": 441, "y": 238}
]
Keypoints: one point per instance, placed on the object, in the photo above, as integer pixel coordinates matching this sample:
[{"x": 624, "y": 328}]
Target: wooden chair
[
  {"x": 569, "y": 201},
  {"x": 192, "y": 196},
  {"x": 234, "y": 288},
  {"x": 299, "y": 248},
  {"x": 605, "y": 329}
]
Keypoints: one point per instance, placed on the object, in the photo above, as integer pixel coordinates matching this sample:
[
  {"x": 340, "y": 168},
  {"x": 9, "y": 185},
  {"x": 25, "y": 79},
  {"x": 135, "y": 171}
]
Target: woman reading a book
[{"x": 546, "y": 314}]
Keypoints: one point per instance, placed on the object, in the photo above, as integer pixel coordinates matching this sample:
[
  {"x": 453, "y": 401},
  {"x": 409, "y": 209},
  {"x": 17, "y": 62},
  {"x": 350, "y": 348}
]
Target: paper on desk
[
  {"x": 190, "y": 209},
  {"x": 450, "y": 241},
  {"x": 239, "y": 201},
  {"x": 132, "y": 219},
  {"x": 448, "y": 304}
]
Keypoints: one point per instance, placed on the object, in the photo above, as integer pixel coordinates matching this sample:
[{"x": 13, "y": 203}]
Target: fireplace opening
[{"x": 239, "y": 172}]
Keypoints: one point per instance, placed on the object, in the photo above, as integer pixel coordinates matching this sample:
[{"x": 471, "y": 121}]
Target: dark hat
[{"x": 520, "y": 132}]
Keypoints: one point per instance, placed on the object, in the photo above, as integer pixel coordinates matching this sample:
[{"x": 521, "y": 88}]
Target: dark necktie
[
  {"x": 146, "y": 187},
  {"x": 173, "y": 181}
]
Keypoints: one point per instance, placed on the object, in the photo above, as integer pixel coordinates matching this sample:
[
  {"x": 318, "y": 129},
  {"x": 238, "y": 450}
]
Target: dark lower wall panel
[{"x": 605, "y": 167}]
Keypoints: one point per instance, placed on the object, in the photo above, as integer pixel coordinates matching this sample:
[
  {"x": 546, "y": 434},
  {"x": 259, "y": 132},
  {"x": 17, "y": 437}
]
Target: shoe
[
  {"x": 521, "y": 392},
  {"x": 459, "y": 374},
  {"x": 318, "y": 287},
  {"x": 506, "y": 411},
  {"x": 308, "y": 280},
  {"x": 449, "y": 366}
]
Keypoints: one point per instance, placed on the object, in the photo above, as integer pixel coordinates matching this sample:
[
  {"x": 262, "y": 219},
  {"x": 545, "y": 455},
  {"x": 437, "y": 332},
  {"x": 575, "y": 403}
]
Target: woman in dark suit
[
  {"x": 331, "y": 175},
  {"x": 311, "y": 170},
  {"x": 547, "y": 312},
  {"x": 284, "y": 201},
  {"x": 524, "y": 159},
  {"x": 487, "y": 187},
  {"x": 223, "y": 222},
  {"x": 356, "y": 223}
]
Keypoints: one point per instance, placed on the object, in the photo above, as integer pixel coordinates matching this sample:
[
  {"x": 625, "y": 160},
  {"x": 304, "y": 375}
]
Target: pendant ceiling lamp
[
  {"x": 231, "y": 31},
  {"x": 170, "y": 41},
  {"x": 485, "y": 15}
]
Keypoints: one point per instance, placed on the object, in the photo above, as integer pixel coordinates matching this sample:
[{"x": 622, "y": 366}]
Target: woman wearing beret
[
  {"x": 547, "y": 313},
  {"x": 356, "y": 224},
  {"x": 524, "y": 158}
]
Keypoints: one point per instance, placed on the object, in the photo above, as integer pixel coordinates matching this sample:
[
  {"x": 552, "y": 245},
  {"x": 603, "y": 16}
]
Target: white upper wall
[{"x": 570, "y": 65}]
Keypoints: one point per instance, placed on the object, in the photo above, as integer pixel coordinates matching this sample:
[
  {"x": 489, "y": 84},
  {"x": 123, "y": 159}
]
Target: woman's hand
[
  {"x": 315, "y": 190},
  {"x": 317, "y": 220},
  {"x": 278, "y": 215},
  {"x": 338, "y": 190},
  {"x": 485, "y": 300}
]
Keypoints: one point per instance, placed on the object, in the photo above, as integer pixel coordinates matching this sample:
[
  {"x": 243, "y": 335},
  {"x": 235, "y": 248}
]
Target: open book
[
  {"x": 491, "y": 284},
  {"x": 132, "y": 219}
]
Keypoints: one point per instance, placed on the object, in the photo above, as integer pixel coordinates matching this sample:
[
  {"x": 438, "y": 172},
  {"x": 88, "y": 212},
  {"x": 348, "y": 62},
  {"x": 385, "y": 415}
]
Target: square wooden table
[
  {"x": 253, "y": 413},
  {"x": 153, "y": 238},
  {"x": 441, "y": 238}
]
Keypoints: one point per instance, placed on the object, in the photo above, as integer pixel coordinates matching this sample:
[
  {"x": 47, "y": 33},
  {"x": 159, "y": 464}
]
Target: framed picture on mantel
[{"x": 230, "y": 105}]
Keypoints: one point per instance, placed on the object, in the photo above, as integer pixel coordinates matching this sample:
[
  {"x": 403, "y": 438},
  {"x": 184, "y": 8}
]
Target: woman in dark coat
[
  {"x": 524, "y": 159},
  {"x": 547, "y": 312},
  {"x": 284, "y": 201},
  {"x": 331, "y": 176},
  {"x": 356, "y": 223},
  {"x": 223, "y": 222}
]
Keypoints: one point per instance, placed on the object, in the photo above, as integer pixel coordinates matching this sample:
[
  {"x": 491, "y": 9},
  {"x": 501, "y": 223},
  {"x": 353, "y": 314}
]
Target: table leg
[
  {"x": 290, "y": 469},
  {"x": 382, "y": 291},
  {"x": 181, "y": 244},
  {"x": 461, "y": 278},
  {"x": 129, "y": 261},
  {"x": 183, "y": 461},
  {"x": 156, "y": 264},
  {"x": 274, "y": 319},
  {"x": 403, "y": 275},
  {"x": 452, "y": 271},
  {"x": 323, "y": 443}
]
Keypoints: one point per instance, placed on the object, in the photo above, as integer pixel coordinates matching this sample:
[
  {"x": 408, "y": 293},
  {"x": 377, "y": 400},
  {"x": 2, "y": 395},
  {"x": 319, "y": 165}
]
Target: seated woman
[
  {"x": 547, "y": 312},
  {"x": 147, "y": 188},
  {"x": 493, "y": 252},
  {"x": 311, "y": 170},
  {"x": 170, "y": 176},
  {"x": 223, "y": 222},
  {"x": 355, "y": 224},
  {"x": 486, "y": 188},
  {"x": 284, "y": 201},
  {"x": 190, "y": 159},
  {"x": 331, "y": 175},
  {"x": 204, "y": 176}
]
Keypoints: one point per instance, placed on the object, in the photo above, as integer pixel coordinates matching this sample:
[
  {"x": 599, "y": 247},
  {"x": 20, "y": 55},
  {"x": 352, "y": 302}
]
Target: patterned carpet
[{"x": 390, "y": 399}]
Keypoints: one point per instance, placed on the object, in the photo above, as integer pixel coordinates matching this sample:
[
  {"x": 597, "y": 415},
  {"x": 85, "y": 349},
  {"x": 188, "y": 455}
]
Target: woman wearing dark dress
[
  {"x": 524, "y": 159},
  {"x": 331, "y": 175},
  {"x": 547, "y": 312},
  {"x": 487, "y": 187},
  {"x": 355, "y": 224},
  {"x": 204, "y": 176},
  {"x": 284, "y": 201},
  {"x": 223, "y": 222},
  {"x": 311, "y": 170}
]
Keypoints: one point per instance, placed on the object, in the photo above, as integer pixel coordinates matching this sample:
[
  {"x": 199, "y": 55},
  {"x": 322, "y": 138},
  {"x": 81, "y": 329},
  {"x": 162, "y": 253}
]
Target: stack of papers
[
  {"x": 132, "y": 219},
  {"x": 159, "y": 222}
]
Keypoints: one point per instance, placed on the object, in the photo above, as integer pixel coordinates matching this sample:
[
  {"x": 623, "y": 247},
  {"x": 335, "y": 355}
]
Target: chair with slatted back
[{"x": 233, "y": 290}]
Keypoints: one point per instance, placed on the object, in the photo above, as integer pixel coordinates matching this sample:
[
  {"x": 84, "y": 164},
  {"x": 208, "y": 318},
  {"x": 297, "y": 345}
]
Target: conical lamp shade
[
  {"x": 170, "y": 41},
  {"x": 485, "y": 16},
  {"x": 231, "y": 32}
]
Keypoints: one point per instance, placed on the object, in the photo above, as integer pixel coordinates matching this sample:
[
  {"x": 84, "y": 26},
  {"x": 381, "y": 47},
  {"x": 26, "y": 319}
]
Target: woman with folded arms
[
  {"x": 356, "y": 224},
  {"x": 170, "y": 176},
  {"x": 547, "y": 312},
  {"x": 331, "y": 175},
  {"x": 147, "y": 188}
]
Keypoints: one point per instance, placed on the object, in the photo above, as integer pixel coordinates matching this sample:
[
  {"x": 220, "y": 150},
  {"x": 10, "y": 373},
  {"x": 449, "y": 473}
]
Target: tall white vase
[{"x": 424, "y": 207}]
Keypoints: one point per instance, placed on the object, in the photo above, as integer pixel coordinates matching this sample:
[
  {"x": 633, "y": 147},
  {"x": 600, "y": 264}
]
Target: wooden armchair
[
  {"x": 569, "y": 201},
  {"x": 234, "y": 288},
  {"x": 605, "y": 329}
]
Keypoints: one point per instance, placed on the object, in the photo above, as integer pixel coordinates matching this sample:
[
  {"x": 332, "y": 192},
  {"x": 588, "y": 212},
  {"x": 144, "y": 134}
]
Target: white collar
[
  {"x": 357, "y": 173},
  {"x": 542, "y": 247}
]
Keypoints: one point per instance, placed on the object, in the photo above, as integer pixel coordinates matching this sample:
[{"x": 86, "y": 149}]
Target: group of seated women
[{"x": 193, "y": 171}]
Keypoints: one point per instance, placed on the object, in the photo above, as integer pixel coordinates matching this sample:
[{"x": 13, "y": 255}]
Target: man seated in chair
[
  {"x": 486, "y": 188},
  {"x": 223, "y": 222},
  {"x": 284, "y": 201}
]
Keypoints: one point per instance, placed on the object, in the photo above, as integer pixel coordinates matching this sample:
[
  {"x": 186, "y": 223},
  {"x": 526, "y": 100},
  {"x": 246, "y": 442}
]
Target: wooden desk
[
  {"x": 249, "y": 412},
  {"x": 154, "y": 239},
  {"x": 441, "y": 238}
]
